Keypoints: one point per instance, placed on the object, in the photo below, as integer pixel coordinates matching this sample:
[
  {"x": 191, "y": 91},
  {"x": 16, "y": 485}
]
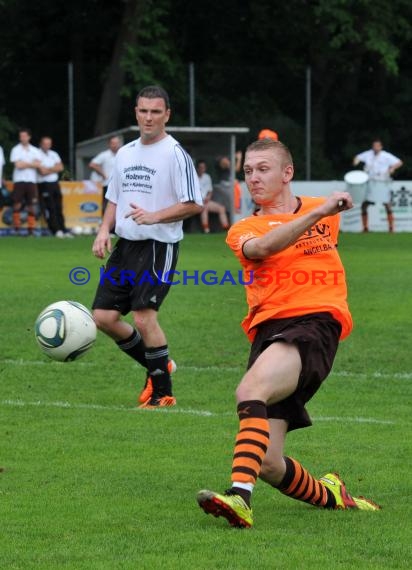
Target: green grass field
[{"x": 89, "y": 482}]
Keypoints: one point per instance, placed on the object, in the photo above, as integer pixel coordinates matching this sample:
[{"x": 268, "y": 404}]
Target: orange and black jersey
[{"x": 306, "y": 277}]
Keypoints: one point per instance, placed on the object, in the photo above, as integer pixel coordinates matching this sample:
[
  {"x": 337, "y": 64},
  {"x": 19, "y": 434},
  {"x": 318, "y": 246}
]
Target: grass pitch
[{"x": 89, "y": 482}]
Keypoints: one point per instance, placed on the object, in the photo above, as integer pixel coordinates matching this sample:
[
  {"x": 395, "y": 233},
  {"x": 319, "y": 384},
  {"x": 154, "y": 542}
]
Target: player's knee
[
  {"x": 144, "y": 320},
  {"x": 103, "y": 319},
  {"x": 246, "y": 391}
]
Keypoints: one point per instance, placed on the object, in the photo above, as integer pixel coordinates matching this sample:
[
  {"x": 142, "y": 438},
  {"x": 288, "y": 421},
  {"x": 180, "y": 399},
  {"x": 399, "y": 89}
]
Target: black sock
[
  {"x": 157, "y": 363},
  {"x": 244, "y": 493},
  {"x": 134, "y": 347}
]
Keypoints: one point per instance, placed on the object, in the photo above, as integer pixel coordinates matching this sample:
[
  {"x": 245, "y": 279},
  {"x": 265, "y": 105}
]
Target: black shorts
[
  {"x": 135, "y": 276},
  {"x": 317, "y": 337}
]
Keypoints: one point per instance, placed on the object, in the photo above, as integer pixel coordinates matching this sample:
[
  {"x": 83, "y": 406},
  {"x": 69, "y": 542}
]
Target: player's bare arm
[
  {"x": 97, "y": 168},
  {"x": 103, "y": 241},
  {"x": 173, "y": 213},
  {"x": 395, "y": 167},
  {"x": 285, "y": 235}
]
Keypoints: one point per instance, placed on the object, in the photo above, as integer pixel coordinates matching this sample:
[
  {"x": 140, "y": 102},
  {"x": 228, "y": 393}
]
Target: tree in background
[{"x": 250, "y": 61}]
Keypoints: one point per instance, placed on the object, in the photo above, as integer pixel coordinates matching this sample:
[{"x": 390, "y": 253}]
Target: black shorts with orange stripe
[
  {"x": 137, "y": 275},
  {"x": 316, "y": 336}
]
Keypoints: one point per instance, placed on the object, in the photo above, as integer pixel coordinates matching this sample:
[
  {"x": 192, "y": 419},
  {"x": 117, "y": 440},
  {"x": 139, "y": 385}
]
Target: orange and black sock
[
  {"x": 134, "y": 347},
  {"x": 31, "y": 222},
  {"x": 390, "y": 222},
  {"x": 16, "y": 220},
  {"x": 251, "y": 444},
  {"x": 299, "y": 484}
]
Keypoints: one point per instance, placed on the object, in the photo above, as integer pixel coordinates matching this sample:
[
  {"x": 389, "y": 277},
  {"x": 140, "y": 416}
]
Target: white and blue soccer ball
[{"x": 65, "y": 330}]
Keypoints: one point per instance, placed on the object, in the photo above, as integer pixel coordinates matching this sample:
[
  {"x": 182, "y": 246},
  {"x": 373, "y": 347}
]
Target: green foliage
[
  {"x": 250, "y": 62},
  {"x": 87, "y": 481},
  {"x": 152, "y": 58},
  {"x": 363, "y": 27}
]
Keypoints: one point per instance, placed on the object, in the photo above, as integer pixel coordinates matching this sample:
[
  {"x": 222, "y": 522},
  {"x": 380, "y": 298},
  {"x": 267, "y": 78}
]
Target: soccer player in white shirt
[
  {"x": 380, "y": 165},
  {"x": 26, "y": 159},
  {"x": 153, "y": 188}
]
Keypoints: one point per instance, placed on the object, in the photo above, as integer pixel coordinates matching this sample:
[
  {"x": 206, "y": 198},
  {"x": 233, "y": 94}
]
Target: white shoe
[
  {"x": 68, "y": 235},
  {"x": 59, "y": 234}
]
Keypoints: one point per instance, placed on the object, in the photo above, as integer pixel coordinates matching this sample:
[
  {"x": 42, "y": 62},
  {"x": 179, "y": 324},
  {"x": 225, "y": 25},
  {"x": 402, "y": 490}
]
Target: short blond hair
[{"x": 277, "y": 146}]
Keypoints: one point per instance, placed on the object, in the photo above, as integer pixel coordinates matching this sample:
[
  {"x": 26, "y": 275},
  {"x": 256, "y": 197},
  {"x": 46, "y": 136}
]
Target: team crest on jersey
[{"x": 316, "y": 239}]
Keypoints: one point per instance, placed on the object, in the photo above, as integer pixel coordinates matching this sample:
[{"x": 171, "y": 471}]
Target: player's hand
[
  {"x": 142, "y": 217},
  {"x": 102, "y": 243},
  {"x": 337, "y": 202}
]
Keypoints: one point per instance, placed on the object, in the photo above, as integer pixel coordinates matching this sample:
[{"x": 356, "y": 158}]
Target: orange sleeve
[{"x": 239, "y": 234}]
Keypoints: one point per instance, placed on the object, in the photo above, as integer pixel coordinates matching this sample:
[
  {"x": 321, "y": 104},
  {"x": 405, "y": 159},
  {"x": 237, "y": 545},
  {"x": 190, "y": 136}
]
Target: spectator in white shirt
[
  {"x": 26, "y": 159},
  {"x": 206, "y": 189},
  {"x": 50, "y": 196},
  {"x": 2, "y": 163},
  {"x": 102, "y": 166},
  {"x": 380, "y": 165}
]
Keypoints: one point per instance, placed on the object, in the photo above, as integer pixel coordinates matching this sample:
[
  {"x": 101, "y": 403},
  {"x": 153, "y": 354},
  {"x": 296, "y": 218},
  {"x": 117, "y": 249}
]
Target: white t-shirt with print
[{"x": 152, "y": 176}]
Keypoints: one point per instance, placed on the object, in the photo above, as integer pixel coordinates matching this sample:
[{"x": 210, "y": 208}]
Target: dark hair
[
  {"x": 25, "y": 130},
  {"x": 154, "y": 92},
  {"x": 269, "y": 144},
  {"x": 200, "y": 161}
]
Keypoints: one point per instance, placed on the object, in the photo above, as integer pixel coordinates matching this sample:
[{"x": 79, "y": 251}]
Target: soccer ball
[{"x": 65, "y": 330}]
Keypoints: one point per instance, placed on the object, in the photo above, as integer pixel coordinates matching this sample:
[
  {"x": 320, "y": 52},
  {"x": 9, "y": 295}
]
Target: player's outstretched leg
[{"x": 328, "y": 492}]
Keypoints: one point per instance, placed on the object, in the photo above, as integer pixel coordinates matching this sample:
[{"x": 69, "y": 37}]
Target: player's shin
[
  {"x": 299, "y": 484},
  {"x": 134, "y": 347},
  {"x": 250, "y": 448}
]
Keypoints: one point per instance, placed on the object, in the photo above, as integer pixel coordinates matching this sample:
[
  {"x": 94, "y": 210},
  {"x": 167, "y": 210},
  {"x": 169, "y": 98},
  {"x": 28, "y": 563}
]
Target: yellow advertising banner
[{"x": 82, "y": 209}]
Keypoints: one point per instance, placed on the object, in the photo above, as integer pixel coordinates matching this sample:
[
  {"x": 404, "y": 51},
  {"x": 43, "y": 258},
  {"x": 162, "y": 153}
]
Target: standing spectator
[
  {"x": 2, "y": 163},
  {"x": 26, "y": 159},
  {"x": 153, "y": 188},
  {"x": 102, "y": 166},
  {"x": 50, "y": 196},
  {"x": 206, "y": 189},
  {"x": 380, "y": 165},
  {"x": 223, "y": 191}
]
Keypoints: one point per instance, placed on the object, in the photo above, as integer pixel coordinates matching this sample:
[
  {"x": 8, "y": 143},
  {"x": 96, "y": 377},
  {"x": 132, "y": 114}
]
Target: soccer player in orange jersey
[{"x": 298, "y": 312}]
